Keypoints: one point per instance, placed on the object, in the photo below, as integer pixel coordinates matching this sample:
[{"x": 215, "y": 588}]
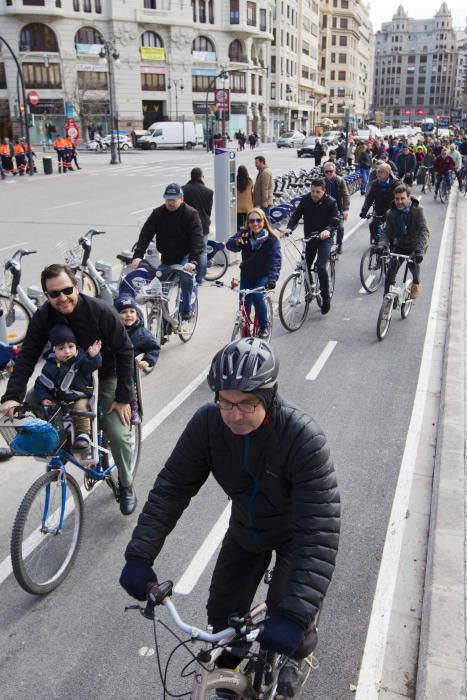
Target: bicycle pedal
[{"x": 89, "y": 482}]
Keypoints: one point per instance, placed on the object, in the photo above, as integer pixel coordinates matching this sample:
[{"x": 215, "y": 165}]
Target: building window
[
  {"x": 87, "y": 6},
  {"x": 36, "y": 75},
  {"x": 334, "y": 22},
  {"x": 2, "y": 77},
  {"x": 150, "y": 4},
  {"x": 92, "y": 80},
  {"x": 152, "y": 81},
  {"x": 88, "y": 35},
  {"x": 341, "y": 75},
  {"x": 345, "y": 4},
  {"x": 202, "y": 11},
  {"x": 253, "y": 84},
  {"x": 234, "y": 11},
  {"x": 251, "y": 14},
  {"x": 151, "y": 39},
  {"x": 200, "y": 83},
  {"x": 344, "y": 23},
  {"x": 342, "y": 41},
  {"x": 237, "y": 82},
  {"x": 98, "y": 6},
  {"x": 236, "y": 52},
  {"x": 76, "y": 5},
  {"x": 38, "y": 3},
  {"x": 260, "y": 84},
  {"x": 38, "y": 37},
  {"x": 202, "y": 43},
  {"x": 262, "y": 20},
  {"x": 273, "y": 91},
  {"x": 211, "y": 11}
]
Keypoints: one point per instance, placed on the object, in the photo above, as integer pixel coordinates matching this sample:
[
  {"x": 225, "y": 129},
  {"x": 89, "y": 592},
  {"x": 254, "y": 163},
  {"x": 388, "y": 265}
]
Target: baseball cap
[
  {"x": 173, "y": 191},
  {"x": 125, "y": 302}
]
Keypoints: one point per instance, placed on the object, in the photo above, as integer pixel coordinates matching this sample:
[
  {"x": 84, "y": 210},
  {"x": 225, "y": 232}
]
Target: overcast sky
[{"x": 380, "y": 12}]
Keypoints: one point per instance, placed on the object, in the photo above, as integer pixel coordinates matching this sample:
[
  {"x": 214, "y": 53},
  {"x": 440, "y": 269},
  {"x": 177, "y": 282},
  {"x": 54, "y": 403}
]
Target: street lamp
[
  {"x": 109, "y": 51},
  {"x": 176, "y": 84},
  {"x": 26, "y": 116}
]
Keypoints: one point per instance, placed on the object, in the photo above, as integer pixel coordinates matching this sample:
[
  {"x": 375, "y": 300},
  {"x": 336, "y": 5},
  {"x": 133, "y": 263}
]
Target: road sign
[
  {"x": 407, "y": 112},
  {"x": 222, "y": 99},
  {"x": 72, "y": 130},
  {"x": 33, "y": 97}
]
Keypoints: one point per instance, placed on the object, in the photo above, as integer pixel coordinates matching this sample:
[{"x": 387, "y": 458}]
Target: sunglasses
[
  {"x": 254, "y": 221},
  {"x": 328, "y": 171},
  {"x": 54, "y": 294}
]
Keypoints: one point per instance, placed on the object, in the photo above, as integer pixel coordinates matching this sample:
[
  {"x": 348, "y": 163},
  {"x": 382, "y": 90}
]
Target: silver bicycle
[
  {"x": 396, "y": 297},
  {"x": 18, "y": 304}
]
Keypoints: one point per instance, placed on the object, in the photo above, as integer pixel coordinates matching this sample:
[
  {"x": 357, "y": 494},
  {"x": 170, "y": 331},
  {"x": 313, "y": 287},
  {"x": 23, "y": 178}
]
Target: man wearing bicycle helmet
[{"x": 272, "y": 461}]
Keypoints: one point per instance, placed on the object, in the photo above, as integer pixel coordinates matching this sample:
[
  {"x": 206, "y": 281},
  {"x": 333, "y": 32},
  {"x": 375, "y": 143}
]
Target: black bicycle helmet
[{"x": 244, "y": 365}]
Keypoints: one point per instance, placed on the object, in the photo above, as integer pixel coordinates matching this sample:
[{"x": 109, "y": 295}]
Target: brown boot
[{"x": 415, "y": 291}]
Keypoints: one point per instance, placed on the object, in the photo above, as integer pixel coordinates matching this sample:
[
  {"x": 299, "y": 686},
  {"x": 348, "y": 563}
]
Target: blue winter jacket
[
  {"x": 54, "y": 371},
  {"x": 265, "y": 261},
  {"x": 143, "y": 341}
]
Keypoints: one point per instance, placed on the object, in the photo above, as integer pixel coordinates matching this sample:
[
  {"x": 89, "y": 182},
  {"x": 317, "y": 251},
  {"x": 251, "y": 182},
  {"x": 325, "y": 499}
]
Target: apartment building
[
  {"x": 344, "y": 61},
  {"x": 161, "y": 57},
  {"x": 415, "y": 67}
]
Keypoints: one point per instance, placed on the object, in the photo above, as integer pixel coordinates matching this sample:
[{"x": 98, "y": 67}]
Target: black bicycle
[{"x": 374, "y": 261}]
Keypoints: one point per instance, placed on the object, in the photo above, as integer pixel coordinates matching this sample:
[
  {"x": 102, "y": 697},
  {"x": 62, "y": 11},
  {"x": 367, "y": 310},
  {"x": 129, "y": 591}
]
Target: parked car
[
  {"x": 330, "y": 138},
  {"x": 103, "y": 144},
  {"x": 307, "y": 148},
  {"x": 290, "y": 139}
]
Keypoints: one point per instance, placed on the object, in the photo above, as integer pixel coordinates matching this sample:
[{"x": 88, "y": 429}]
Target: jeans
[
  {"x": 340, "y": 231},
  {"x": 257, "y": 300},
  {"x": 442, "y": 176},
  {"x": 323, "y": 248},
  {"x": 186, "y": 285},
  {"x": 236, "y": 577},
  {"x": 203, "y": 260},
  {"x": 395, "y": 264},
  {"x": 364, "y": 175}
]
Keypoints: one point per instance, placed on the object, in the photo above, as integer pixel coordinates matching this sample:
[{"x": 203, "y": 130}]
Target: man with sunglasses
[
  {"x": 336, "y": 187},
  {"x": 272, "y": 461},
  {"x": 90, "y": 320}
]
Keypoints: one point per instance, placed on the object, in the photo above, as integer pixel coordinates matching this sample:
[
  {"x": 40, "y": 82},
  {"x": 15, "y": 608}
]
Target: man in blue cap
[{"x": 178, "y": 233}]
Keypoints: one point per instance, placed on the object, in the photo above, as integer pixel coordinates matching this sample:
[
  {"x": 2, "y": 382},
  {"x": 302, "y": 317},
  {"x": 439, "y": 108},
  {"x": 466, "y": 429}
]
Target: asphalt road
[{"x": 78, "y": 643}]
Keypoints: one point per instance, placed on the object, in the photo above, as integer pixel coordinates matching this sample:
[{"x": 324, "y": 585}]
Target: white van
[{"x": 171, "y": 135}]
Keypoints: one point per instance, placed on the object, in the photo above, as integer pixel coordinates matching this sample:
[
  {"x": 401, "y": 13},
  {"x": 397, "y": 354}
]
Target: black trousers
[
  {"x": 236, "y": 577},
  {"x": 395, "y": 264}
]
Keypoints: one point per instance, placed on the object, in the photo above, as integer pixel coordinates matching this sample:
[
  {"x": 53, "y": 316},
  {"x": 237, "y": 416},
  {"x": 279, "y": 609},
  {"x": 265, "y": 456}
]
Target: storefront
[
  {"x": 154, "y": 111},
  {"x": 238, "y": 118},
  {"x": 48, "y": 120},
  {"x": 199, "y": 112},
  {"x": 5, "y": 123}
]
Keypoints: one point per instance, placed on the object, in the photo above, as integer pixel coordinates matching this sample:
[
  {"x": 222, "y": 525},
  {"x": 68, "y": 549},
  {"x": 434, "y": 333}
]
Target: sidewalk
[{"x": 442, "y": 650}]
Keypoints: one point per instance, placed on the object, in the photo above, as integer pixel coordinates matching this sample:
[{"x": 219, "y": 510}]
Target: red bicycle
[{"x": 246, "y": 323}]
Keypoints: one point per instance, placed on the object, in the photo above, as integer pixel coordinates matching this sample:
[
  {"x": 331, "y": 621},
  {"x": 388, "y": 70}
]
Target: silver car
[{"x": 290, "y": 139}]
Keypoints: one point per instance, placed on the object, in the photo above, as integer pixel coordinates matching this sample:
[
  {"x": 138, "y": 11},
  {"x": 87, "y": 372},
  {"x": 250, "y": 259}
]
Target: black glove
[
  {"x": 362, "y": 214},
  {"x": 135, "y": 577},
  {"x": 418, "y": 258},
  {"x": 281, "y": 634},
  {"x": 270, "y": 285}
]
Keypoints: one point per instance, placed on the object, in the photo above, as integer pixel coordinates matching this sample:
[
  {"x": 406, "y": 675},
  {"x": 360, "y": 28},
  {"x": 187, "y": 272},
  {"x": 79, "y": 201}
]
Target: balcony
[{"x": 46, "y": 8}]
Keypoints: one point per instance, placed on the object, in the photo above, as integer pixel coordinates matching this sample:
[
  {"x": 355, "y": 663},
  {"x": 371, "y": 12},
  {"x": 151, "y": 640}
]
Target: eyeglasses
[
  {"x": 254, "y": 221},
  {"x": 243, "y": 406},
  {"x": 55, "y": 293},
  {"x": 328, "y": 171}
]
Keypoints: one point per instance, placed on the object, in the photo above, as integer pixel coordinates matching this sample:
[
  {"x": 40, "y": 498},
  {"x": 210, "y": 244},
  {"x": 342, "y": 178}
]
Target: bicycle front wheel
[
  {"x": 17, "y": 317},
  {"x": 294, "y": 301},
  {"x": 237, "y": 331},
  {"x": 384, "y": 318},
  {"x": 443, "y": 193},
  {"x": 331, "y": 268},
  {"x": 88, "y": 286},
  {"x": 41, "y": 555},
  {"x": 187, "y": 328},
  {"x": 217, "y": 265},
  {"x": 371, "y": 270}
]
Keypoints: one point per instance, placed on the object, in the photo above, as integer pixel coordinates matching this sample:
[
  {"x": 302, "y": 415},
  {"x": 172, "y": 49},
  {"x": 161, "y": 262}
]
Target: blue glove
[
  {"x": 281, "y": 634},
  {"x": 135, "y": 577},
  {"x": 362, "y": 214}
]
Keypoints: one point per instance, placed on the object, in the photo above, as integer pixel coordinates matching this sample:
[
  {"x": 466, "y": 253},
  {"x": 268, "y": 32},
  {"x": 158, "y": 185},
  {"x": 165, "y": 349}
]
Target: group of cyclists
[{"x": 270, "y": 458}]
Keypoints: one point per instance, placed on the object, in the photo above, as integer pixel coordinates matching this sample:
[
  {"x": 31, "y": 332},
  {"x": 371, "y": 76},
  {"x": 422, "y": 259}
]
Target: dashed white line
[
  {"x": 368, "y": 281},
  {"x": 67, "y": 204},
  {"x": 321, "y": 361},
  {"x": 352, "y": 230}
]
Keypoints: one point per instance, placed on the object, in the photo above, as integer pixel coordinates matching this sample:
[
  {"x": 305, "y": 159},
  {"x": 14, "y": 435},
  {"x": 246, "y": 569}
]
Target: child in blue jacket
[
  {"x": 261, "y": 262},
  {"x": 142, "y": 340},
  {"x": 67, "y": 377}
]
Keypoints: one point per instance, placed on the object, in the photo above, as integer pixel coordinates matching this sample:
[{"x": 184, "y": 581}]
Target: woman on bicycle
[{"x": 261, "y": 262}]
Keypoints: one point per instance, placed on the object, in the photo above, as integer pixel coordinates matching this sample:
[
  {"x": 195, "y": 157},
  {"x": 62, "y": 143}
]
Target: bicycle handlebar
[{"x": 159, "y": 594}]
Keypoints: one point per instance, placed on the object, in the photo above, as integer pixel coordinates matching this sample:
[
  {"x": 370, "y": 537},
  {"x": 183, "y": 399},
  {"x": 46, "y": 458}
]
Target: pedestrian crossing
[{"x": 149, "y": 170}]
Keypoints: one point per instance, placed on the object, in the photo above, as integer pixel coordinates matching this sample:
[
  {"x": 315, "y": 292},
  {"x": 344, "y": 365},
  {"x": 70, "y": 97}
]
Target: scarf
[{"x": 403, "y": 218}]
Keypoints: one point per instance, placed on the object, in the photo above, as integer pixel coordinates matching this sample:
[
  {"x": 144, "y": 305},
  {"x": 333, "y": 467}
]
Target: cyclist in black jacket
[
  {"x": 178, "y": 233},
  {"x": 272, "y": 460},
  {"x": 321, "y": 215},
  {"x": 90, "y": 320}
]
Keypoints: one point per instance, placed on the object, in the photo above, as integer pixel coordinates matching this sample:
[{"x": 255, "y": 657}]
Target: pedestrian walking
[
  {"x": 200, "y": 197},
  {"x": 262, "y": 191},
  {"x": 364, "y": 164},
  {"x": 244, "y": 195},
  {"x": 252, "y": 141},
  {"x": 318, "y": 153}
]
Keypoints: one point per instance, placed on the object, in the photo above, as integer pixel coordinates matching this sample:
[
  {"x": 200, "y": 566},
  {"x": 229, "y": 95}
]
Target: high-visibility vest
[
  {"x": 59, "y": 142},
  {"x": 5, "y": 150},
  {"x": 18, "y": 148}
]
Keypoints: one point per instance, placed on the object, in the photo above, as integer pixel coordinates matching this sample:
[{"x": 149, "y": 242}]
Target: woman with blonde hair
[
  {"x": 261, "y": 262},
  {"x": 244, "y": 195}
]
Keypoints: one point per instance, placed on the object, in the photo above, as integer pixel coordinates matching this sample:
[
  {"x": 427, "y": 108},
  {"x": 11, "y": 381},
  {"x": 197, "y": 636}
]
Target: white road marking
[
  {"x": 321, "y": 361},
  {"x": 139, "y": 211},
  {"x": 373, "y": 656},
  {"x": 35, "y": 538},
  {"x": 352, "y": 230},
  {"x": 368, "y": 281},
  {"x": 14, "y": 245},
  {"x": 190, "y": 577},
  {"x": 67, "y": 204}
]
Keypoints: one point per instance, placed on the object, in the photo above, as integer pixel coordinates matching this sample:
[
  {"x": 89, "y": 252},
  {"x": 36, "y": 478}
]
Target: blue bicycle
[{"x": 48, "y": 526}]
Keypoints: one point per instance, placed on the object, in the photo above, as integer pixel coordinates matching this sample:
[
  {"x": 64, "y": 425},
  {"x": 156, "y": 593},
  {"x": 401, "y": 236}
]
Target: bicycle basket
[
  {"x": 31, "y": 437},
  {"x": 71, "y": 256}
]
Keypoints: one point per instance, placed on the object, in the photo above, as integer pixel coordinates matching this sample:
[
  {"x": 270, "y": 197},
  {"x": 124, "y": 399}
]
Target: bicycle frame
[
  {"x": 13, "y": 265},
  {"x": 249, "y": 325}
]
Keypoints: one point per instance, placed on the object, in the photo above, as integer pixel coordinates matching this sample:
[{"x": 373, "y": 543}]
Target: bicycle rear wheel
[
  {"x": 17, "y": 317},
  {"x": 443, "y": 193},
  {"x": 217, "y": 265},
  {"x": 41, "y": 556},
  {"x": 294, "y": 301},
  {"x": 237, "y": 331},
  {"x": 384, "y": 318},
  {"x": 371, "y": 270},
  {"x": 187, "y": 328}
]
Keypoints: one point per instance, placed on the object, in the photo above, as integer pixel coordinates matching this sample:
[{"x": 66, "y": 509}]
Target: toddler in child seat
[
  {"x": 142, "y": 340},
  {"x": 67, "y": 377}
]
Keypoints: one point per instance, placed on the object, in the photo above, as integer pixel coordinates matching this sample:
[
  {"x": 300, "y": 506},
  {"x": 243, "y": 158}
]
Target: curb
[{"x": 442, "y": 648}]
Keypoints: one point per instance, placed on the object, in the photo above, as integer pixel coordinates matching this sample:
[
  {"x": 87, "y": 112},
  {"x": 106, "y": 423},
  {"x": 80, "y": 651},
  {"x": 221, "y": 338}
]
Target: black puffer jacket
[{"x": 283, "y": 488}]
